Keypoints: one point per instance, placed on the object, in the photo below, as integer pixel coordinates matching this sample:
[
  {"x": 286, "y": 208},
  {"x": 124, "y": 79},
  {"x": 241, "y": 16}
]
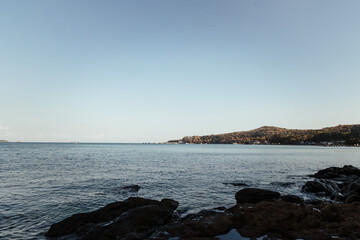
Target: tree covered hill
[{"x": 339, "y": 135}]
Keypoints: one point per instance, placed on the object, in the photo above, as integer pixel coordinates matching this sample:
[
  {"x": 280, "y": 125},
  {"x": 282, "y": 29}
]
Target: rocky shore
[{"x": 335, "y": 214}]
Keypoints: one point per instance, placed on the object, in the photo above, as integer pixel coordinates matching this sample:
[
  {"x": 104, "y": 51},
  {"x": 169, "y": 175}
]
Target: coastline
[{"x": 257, "y": 213}]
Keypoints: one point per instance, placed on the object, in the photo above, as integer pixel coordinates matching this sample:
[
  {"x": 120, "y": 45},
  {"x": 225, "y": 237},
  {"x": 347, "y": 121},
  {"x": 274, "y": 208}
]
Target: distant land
[
  {"x": 342, "y": 135},
  {"x": 3, "y": 141}
]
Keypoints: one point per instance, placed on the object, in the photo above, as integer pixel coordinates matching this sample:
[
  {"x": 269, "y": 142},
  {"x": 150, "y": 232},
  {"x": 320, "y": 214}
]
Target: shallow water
[{"x": 42, "y": 183}]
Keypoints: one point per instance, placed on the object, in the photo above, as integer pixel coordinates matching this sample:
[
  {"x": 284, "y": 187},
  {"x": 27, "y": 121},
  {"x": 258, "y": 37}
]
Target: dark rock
[
  {"x": 330, "y": 175},
  {"x": 354, "y": 187},
  {"x": 350, "y": 188},
  {"x": 292, "y": 199},
  {"x": 207, "y": 223},
  {"x": 83, "y": 222},
  {"x": 172, "y": 204},
  {"x": 336, "y": 172},
  {"x": 293, "y": 221},
  {"x": 322, "y": 187},
  {"x": 344, "y": 182},
  {"x": 254, "y": 195},
  {"x": 328, "y": 214},
  {"x": 131, "y": 188},
  {"x": 136, "y": 223},
  {"x": 353, "y": 198},
  {"x": 239, "y": 184}
]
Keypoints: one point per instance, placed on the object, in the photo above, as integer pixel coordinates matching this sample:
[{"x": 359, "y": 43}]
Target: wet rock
[
  {"x": 336, "y": 172},
  {"x": 323, "y": 188},
  {"x": 293, "y": 221},
  {"x": 136, "y": 223},
  {"x": 172, "y": 204},
  {"x": 292, "y": 199},
  {"x": 237, "y": 184},
  {"x": 131, "y": 188},
  {"x": 254, "y": 195},
  {"x": 103, "y": 217},
  {"x": 207, "y": 223},
  {"x": 348, "y": 189},
  {"x": 337, "y": 183},
  {"x": 353, "y": 198}
]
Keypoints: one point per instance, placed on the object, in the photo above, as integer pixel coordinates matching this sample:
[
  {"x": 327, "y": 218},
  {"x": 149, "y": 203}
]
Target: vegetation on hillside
[{"x": 339, "y": 135}]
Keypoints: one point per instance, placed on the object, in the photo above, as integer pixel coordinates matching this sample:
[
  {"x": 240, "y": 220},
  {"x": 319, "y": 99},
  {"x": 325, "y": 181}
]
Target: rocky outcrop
[
  {"x": 323, "y": 187},
  {"x": 292, "y": 221},
  {"x": 136, "y": 223},
  {"x": 258, "y": 212},
  {"x": 338, "y": 173},
  {"x": 339, "y": 184},
  {"x": 135, "y": 215}
]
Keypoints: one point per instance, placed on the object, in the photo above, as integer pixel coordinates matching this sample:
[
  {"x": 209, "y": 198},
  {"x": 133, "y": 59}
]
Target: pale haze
[{"x": 151, "y": 71}]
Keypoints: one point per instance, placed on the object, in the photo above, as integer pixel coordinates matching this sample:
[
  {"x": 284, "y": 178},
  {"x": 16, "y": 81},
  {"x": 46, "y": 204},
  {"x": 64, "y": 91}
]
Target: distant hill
[
  {"x": 339, "y": 135},
  {"x": 2, "y": 141}
]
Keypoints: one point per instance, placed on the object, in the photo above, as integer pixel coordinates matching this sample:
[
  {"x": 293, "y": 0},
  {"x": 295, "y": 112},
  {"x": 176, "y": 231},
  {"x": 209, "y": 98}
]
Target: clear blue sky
[{"x": 150, "y": 71}]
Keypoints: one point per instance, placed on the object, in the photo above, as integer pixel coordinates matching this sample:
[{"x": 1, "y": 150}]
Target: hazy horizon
[{"x": 141, "y": 71}]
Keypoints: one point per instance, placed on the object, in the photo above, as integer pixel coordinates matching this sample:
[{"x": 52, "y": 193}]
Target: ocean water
[{"x": 42, "y": 183}]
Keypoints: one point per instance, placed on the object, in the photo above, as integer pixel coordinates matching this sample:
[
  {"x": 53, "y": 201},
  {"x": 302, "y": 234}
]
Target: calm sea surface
[{"x": 43, "y": 183}]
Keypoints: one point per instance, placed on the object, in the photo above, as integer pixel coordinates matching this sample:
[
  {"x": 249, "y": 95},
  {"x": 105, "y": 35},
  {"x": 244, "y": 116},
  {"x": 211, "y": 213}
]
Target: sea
[{"x": 43, "y": 183}]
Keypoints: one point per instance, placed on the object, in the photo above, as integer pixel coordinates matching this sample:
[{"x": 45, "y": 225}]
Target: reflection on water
[{"x": 44, "y": 183}]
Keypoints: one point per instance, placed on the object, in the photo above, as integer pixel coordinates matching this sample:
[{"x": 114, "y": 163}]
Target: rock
[
  {"x": 337, "y": 183},
  {"x": 293, "y": 221},
  {"x": 83, "y": 222},
  {"x": 336, "y": 172},
  {"x": 322, "y": 187},
  {"x": 254, "y": 195},
  {"x": 172, "y": 204},
  {"x": 237, "y": 184},
  {"x": 136, "y": 223},
  {"x": 353, "y": 198},
  {"x": 131, "y": 188},
  {"x": 292, "y": 199},
  {"x": 350, "y": 188},
  {"x": 207, "y": 223}
]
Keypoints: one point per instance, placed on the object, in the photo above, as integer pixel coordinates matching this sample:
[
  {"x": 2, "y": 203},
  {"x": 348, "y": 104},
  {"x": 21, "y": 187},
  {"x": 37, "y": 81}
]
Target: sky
[{"x": 151, "y": 71}]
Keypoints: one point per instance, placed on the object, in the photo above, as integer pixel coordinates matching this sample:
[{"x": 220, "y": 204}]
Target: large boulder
[
  {"x": 104, "y": 217},
  {"x": 254, "y": 195},
  {"x": 136, "y": 223}
]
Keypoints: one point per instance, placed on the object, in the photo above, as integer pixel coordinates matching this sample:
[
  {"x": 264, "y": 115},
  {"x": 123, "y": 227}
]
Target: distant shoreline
[{"x": 341, "y": 135}]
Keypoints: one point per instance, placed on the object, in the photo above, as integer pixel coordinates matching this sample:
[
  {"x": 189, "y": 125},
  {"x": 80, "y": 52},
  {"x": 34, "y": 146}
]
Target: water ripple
[{"x": 43, "y": 183}]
